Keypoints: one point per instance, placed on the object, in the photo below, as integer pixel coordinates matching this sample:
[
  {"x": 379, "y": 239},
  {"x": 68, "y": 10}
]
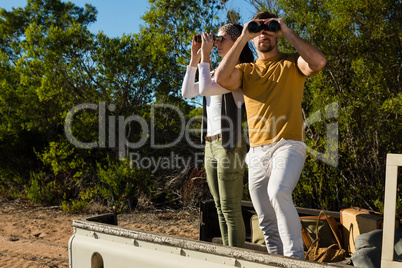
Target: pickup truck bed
[{"x": 99, "y": 242}]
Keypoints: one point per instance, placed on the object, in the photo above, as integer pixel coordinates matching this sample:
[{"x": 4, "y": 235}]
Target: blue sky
[{"x": 116, "y": 17}]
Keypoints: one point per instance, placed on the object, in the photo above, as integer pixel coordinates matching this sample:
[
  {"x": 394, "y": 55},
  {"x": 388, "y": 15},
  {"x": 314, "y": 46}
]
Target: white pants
[{"x": 274, "y": 171}]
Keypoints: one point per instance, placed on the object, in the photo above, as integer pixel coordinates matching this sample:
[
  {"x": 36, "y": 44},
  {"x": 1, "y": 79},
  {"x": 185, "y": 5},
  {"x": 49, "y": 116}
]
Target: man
[{"x": 273, "y": 90}]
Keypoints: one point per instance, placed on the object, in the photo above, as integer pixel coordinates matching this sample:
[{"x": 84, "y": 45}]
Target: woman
[{"x": 225, "y": 147}]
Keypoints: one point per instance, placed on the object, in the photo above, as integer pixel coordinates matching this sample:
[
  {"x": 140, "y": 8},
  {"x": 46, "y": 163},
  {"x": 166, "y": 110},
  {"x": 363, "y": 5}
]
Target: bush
[
  {"x": 122, "y": 185},
  {"x": 41, "y": 190}
]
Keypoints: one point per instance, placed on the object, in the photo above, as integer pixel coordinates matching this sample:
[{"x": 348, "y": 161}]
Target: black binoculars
[
  {"x": 198, "y": 38},
  {"x": 257, "y": 26}
]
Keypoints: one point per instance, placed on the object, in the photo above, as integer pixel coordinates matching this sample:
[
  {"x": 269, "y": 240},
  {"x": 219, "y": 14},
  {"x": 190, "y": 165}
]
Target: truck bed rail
[{"x": 99, "y": 242}]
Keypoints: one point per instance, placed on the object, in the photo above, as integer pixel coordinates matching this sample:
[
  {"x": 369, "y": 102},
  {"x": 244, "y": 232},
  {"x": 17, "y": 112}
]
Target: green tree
[
  {"x": 166, "y": 36},
  {"x": 164, "y": 41},
  {"x": 40, "y": 45},
  {"x": 52, "y": 66}
]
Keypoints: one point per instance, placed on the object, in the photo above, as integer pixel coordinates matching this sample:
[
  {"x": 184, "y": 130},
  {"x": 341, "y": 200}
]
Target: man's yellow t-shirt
[{"x": 273, "y": 92}]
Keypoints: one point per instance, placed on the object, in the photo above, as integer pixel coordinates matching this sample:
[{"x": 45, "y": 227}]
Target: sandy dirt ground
[{"x": 35, "y": 236}]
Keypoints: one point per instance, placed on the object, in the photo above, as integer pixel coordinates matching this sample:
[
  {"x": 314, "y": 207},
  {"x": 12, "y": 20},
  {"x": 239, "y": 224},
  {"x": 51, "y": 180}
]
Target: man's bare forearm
[
  {"x": 223, "y": 74},
  {"x": 311, "y": 55}
]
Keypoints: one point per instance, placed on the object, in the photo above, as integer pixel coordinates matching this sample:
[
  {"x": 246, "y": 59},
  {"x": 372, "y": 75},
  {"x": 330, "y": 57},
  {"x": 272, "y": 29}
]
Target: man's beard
[{"x": 265, "y": 49}]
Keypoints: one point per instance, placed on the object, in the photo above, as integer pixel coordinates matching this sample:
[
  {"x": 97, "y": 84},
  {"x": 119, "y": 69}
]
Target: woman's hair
[{"x": 234, "y": 30}]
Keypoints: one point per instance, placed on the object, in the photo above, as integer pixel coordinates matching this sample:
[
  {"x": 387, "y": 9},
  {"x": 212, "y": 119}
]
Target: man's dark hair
[{"x": 264, "y": 15}]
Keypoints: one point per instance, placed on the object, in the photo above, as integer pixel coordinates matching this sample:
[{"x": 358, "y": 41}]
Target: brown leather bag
[{"x": 326, "y": 245}]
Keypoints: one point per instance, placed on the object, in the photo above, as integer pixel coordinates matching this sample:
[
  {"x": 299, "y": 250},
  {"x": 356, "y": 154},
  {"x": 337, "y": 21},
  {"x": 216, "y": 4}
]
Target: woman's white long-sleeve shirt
[
  {"x": 206, "y": 85},
  {"x": 213, "y": 93}
]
